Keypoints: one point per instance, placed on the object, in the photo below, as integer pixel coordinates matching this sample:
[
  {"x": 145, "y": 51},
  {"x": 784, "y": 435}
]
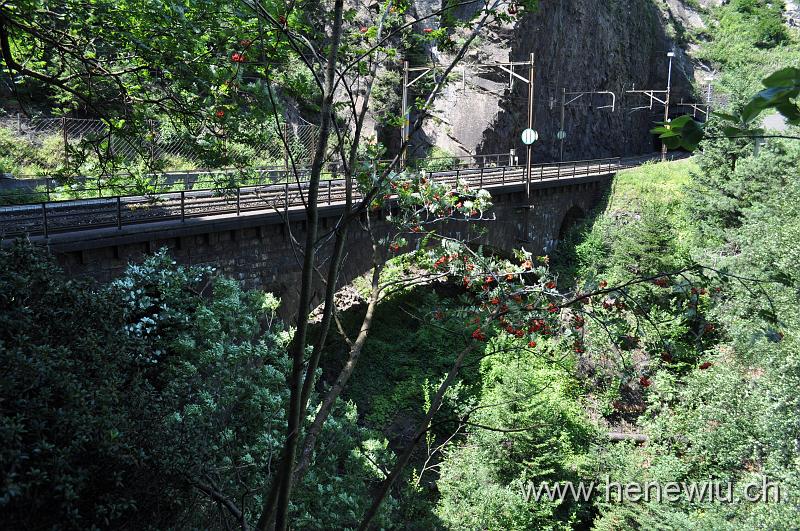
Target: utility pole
[
  {"x": 561, "y": 129},
  {"x": 666, "y": 103},
  {"x": 413, "y": 74},
  {"x": 531, "y": 123}
]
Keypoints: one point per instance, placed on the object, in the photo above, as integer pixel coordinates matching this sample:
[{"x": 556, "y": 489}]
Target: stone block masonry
[{"x": 257, "y": 249}]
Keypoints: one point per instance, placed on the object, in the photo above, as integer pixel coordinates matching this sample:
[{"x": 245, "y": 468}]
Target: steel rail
[{"x": 47, "y": 218}]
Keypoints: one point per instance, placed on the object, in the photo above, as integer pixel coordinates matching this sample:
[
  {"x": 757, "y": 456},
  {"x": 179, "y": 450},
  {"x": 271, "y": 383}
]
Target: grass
[
  {"x": 663, "y": 184},
  {"x": 657, "y": 182},
  {"x": 634, "y": 193}
]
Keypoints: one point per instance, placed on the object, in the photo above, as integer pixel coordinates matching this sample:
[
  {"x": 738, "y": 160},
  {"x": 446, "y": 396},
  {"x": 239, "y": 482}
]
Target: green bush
[
  {"x": 528, "y": 425},
  {"x": 120, "y": 405},
  {"x": 731, "y": 416}
]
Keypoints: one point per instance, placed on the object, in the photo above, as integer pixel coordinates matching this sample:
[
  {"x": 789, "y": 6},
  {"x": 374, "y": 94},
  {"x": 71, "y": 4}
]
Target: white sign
[
  {"x": 561, "y": 135},
  {"x": 529, "y": 136}
]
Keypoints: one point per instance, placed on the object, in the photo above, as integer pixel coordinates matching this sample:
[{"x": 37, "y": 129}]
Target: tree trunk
[
  {"x": 405, "y": 457},
  {"x": 283, "y": 480},
  {"x": 344, "y": 376}
]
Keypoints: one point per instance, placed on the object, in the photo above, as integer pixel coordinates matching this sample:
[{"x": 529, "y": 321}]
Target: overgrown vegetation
[
  {"x": 661, "y": 346},
  {"x": 133, "y": 404}
]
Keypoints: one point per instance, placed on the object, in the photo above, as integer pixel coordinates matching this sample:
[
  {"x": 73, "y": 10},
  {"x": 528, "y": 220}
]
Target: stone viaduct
[{"x": 256, "y": 247}]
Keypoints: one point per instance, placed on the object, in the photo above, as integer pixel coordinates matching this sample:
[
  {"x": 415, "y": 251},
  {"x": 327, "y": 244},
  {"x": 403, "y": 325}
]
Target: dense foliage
[
  {"x": 727, "y": 412},
  {"x": 133, "y": 404},
  {"x": 661, "y": 344}
]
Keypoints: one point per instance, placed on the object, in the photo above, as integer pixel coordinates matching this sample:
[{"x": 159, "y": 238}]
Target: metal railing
[
  {"x": 26, "y": 191},
  {"x": 46, "y": 218}
]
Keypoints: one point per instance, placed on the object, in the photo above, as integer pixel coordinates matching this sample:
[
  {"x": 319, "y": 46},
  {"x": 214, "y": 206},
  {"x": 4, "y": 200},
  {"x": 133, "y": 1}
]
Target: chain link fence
[{"x": 296, "y": 142}]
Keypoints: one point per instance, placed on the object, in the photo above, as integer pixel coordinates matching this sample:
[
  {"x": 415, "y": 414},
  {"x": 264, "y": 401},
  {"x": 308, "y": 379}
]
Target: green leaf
[
  {"x": 787, "y": 77},
  {"x": 725, "y": 116},
  {"x": 753, "y": 108},
  {"x": 790, "y": 111}
]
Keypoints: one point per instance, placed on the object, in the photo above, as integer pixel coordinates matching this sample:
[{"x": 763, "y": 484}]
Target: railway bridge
[{"x": 247, "y": 233}]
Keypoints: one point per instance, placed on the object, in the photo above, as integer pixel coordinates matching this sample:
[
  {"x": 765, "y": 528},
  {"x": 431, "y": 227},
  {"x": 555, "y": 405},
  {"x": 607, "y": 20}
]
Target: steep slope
[{"x": 580, "y": 45}]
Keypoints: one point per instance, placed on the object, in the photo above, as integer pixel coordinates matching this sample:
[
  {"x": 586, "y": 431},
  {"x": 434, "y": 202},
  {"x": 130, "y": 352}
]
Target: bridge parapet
[{"x": 253, "y": 242}]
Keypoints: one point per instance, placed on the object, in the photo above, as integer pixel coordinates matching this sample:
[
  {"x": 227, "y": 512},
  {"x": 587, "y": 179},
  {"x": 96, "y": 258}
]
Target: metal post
[
  {"x": 531, "y": 113},
  {"x": 64, "y": 135},
  {"x": 406, "y": 118},
  {"x": 531, "y": 123},
  {"x": 563, "y": 109},
  {"x": 238, "y": 200},
  {"x": 44, "y": 218},
  {"x": 119, "y": 212},
  {"x": 286, "y": 150},
  {"x": 183, "y": 205},
  {"x": 666, "y": 103},
  {"x": 481, "y": 181},
  {"x": 330, "y": 184}
]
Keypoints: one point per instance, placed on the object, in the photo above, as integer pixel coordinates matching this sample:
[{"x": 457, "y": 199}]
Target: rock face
[{"x": 580, "y": 45}]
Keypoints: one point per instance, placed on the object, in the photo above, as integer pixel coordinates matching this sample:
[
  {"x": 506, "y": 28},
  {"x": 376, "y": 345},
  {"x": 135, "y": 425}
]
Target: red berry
[
  {"x": 705, "y": 365},
  {"x": 220, "y": 113},
  {"x": 532, "y": 344},
  {"x": 661, "y": 282}
]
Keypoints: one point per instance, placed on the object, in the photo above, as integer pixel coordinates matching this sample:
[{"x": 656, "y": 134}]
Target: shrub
[{"x": 120, "y": 405}]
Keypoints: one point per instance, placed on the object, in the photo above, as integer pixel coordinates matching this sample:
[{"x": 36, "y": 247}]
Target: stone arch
[{"x": 572, "y": 217}]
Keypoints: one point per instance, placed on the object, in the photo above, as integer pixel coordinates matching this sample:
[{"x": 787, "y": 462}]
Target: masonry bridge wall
[{"x": 257, "y": 249}]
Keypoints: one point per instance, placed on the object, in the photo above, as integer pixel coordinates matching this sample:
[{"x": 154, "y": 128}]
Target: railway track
[{"x": 126, "y": 210}]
